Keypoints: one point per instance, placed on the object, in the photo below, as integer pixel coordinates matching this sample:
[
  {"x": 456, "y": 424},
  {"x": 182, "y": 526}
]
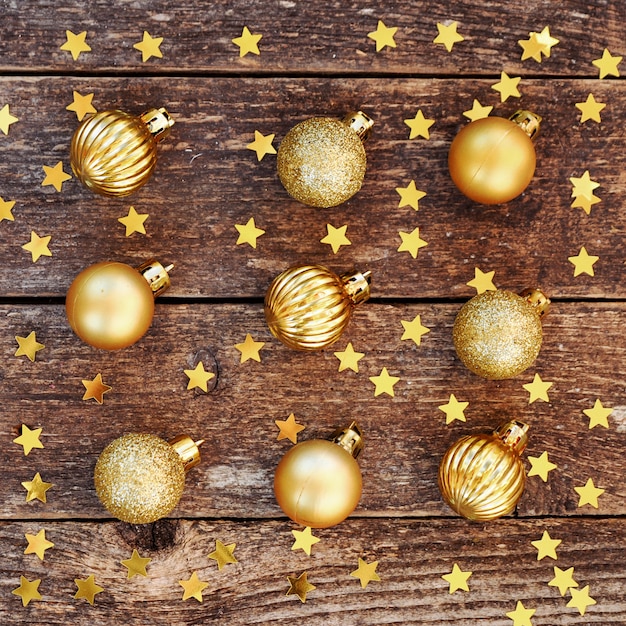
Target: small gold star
[
  {"x": 299, "y": 586},
  {"x": 521, "y": 616},
  {"x": 507, "y": 87},
  {"x": 81, "y": 105},
  {"x": 546, "y": 546},
  {"x": 248, "y": 233},
  {"x": 87, "y": 588},
  {"x": 383, "y": 36},
  {"x": 366, "y": 572},
  {"x": 419, "y": 126},
  {"x": 585, "y": 203},
  {"x": 531, "y": 48},
  {"x": 38, "y": 246},
  {"x": 538, "y": 389},
  {"x": 607, "y": 64},
  {"x": 223, "y": 553},
  {"x": 36, "y": 488},
  {"x": 598, "y": 415},
  {"x": 28, "y": 590},
  {"x": 29, "y": 439},
  {"x": 414, "y": 330},
  {"x": 454, "y": 409},
  {"x": 250, "y": 349},
  {"x": 262, "y": 144},
  {"x": 134, "y": 222},
  {"x": 583, "y": 262},
  {"x": 289, "y": 429},
  {"x": 38, "y": 544},
  {"x": 336, "y": 237},
  {"x": 198, "y": 377},
  {"x": 6, "y": 208},
  {"x": 304, "y": 540},
  {"x": 28, "y": 346},
  {"x": 478, "y": 111},
  {"x": 447, "y": 35},
  {"x": 590, "y": 109},
  {"x": 384, "y": 383},
  {"x": 349, "y": 359},
  {"x": 546, "y": 40},
  {"x": 75, "y": 43},
  {"x": 149, "y": 46},
  {"x": 247, "y": 42},
  {"x": 583, "y": 186},
  {"x": 482, "y": 281},
  {"x": 410, "y": 195},
  {"x": 540, "y": 466},
  {"x": 457, "y": 579},
  {"x": 563, "y": 579},
  {"x": 95, "y": 389},
  {"x": 136, "y": 565},
  {"x": 193, "y": 587},
  {"x": 581, "y": 599},
  {"x": 589, "y": 494},
  {"x": 55, "y": 176},
  {"x": 6, "y": 119},
  {"x": 411, "y": 242}
]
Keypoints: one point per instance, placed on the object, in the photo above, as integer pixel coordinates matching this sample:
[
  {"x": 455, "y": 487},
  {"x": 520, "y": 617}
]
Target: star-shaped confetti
[
  {"x": 419, "y": 125},
  {"x": 38, "y": 544},
  {"x": 521, "y": 616},
  {"x": 134, "y": 222},
  {"x": 580, "y": 599},
  {"x": 199, "y": 377},
  {"x": 410, "y": 196},
  {"x": 366, "y": 572},
  {"x": 37, "y": 246},
  {"x": 607, "y": 64},
  {"x": 531, "y": 47},
  {"x": 193, "y": 587},
  {"x": 540, "y": 466},
  {"x": 447, "y": 35},
  {"x": 583, "y": 262},
  {"x": 36, "y": 488},
  {"x": 598, "y": 415},
  {"x": 482, "y": 281},
  {"x": 95, "y": 389},
  {"x": 478, "y": 111},
  {"x": 589, "y": 494},
  {"x": 247, "y": 42},
  {"x": 6, "y": 119},
  {"x": 223, "y": 553},
  {"x": 590, "y": 109},
  {"x": 336, "y": 237},
  {"x": 507, "y": 87},
  {"x": 6, "y": 208},
  {"x": 583, "y": 185},
  {"x": 28, "y": 346},
  {"x": 136, "y": 565},
  {"x": 76, "y": 43},
  {"x": 81, "y": 105},
  {"x": 87, "y": 588},
  {"x": 349, "y": 358},
  {"x": 149, "y": 46},
  {"x": 248, "y": 233},
  {"x": 585, "y": 203},
  {"x": 262, "y": 145},
  {"x": 411, "y": 242},
  {"x": 457, "y": 579},
  {"x": 414, "y": 330},
  {"x": 563, "y": 579},
  {"x": 384, "y": 383},
  {"x": 538, "y": 389},
  {"x": 383, "y": 36},
  {"x": 304, "y": 540},
  {"x": 289, "y": 429},
  {"x": 454, "y": 409},
  {"x": 55, "y": 176},
  {"x": 546, "y": 40},
  {"x": 299, "y": 586},
  {"x": 546, "y": 546},
  {"x": 250, "y": 349},
  {"x": 29, "y": 439},
  {"x": 28, "y": 590}
]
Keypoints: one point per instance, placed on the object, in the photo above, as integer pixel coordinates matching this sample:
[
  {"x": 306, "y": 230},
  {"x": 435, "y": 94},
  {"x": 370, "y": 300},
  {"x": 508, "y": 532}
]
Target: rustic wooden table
[{"x": 315, "y": 59}]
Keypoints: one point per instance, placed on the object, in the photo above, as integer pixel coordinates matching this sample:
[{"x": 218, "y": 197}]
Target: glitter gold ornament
[
  {"x": 318, "y": 482},
  {"x": 497, "y": 334},
  {"x": 307, "y": 307},
  {"x": 110, "y": 305},
  {"x": 140, "y": 477},
  {"x": 114, "y": 153},
  {"x": 321, "y": 161},
  {"x": 482, "y": 476},
  {"x": 492, "y": 160}
]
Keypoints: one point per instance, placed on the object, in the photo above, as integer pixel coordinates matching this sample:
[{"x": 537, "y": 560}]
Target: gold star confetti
[
  {"x": 447, "y": 35},
  {"x": 411, "y": 242},
  {"x": 349, "y": 359},
  {"x": 304, "y": 540},
  {"x": 149, "y": 46},
  {"x": 299, "y": 586},
  {"x": 583, "y": 262},
  {"x": 540, "y": 466},
  {"x": 563, "y": 579},
  {"x": 531, "y": 48},
  {"x": 134, "y": 222},
  {"x": 410, "y": 196},
  {"x": 6, "y": 119},
  {"x": 29, "y": 439},
  {"x": 546, "y": 546},
  {"x": 585, "y": 203},
  {"x": 262, "y": 145},
  {"x": 414, "y": 330},
  {"x": 55, "y": 176},
  {"x": 75, "y": 43},
  {"x": 36, "y": 488},
  {"x": 589, "y": 494},
  {"x": 248, "y": 233},
  {"x": 546, "y": 40},
  {"x": 590, "y": 109},
  {"x": 598, "y": 415},
  {"x": 199, "y": 377},
  {"x": 384, "y": 383},
  {"x": 193, "y": 587},
  {"x": 250, "y": 349},
  {"x": 521, "y": 616},
  {"x": 136, "y": 565},
  {"x": 583, "y": 186},
  {"x": 28, "y": 590},
  {"x": 457, "y": 579},
  {"x": 95, "y": 389},
  {"x": 607, "y": 64},
  {"x": 28, "y": 346},
  {"x": 38, "y": 246},
  {"x": 289, "y": 429},
  {"x": 38, "y": 544},
  {"x": 366, "y": 572},
  {"x": 581, "y": 599},
  {"x": 454, "y": 409},
  {"x": 81, "y": 105},
  {"x": 538, "y": 389},
  {"x": 507, "y": 87},
  {"x": 482, "y": 281},
  {"x": 336, "y": 237},
  {"x": 419, "y": 126},
  {"x": 247, "y": 42},
  {"x": 383, "y": 36},
  {"x": 6, "y": 208},
  {"x": 223, "y": 554},
  {"x": 478, "y": 111},
  {"x": 87, "y": 588}
]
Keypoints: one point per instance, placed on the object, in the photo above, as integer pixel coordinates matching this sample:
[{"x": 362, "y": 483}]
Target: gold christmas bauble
[
  {"x": 482, "y": 477},
  {"x": 110, "y": 305},
  {"x": 492, "y": 160},
  {"x": 318, "y": 482},
  {"x": 139, "y": 477},
  {"x": 307, "y": 307},
  {"x": 114, "y": 153},
  {"x": 321, "y": 161},
  {"x": 498, "y": 334}
]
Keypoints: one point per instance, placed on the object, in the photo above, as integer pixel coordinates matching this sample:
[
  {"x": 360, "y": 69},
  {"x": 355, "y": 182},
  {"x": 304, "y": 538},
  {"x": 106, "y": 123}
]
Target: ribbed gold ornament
[
  {"x": 482, "y": 476},
  {"x": 114, "y": 153},
  {"x": 308, "y": 307}
]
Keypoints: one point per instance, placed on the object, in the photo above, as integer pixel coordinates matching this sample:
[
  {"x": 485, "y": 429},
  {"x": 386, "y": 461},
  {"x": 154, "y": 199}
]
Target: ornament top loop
[
  {"x": 528, "y": 121},
  {"x": 360, "y": 123},
  {"x": 156, "y": 275},
  {"x": 187, "y": 449},
  {"x": 538, "y": 300},
  {"x": 350, "y": 439},
  {"x": 513, "y": 434},
  {"x": 357, "y": 285},
  {"x": 158, "y": 122}
]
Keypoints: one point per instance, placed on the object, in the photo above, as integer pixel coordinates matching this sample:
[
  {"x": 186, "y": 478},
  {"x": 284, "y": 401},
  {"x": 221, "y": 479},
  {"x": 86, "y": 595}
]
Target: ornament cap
[
  {"x": 187, "y": 449},
  {"x": 350, "y": 439},
  {"x": 158, "y": 122},
  {"x": 156, "y": 275},
  {"x": 538, "y": 300},
  {"x": 357, "y": 285},
  {"x": 513, "y": 434},
  {"x": 528, "y": 121},
  {"x": 360, "y": 123}
]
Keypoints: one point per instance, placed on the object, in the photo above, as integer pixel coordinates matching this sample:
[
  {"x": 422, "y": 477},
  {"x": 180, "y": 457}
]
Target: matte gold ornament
[
  {"x": 140, "y": 477},
  {"x": 114, "y": 153},
  {"x": 318, "y": 482},
  {"x": 307, "y": 307},
  {"x": 110, "y": 305},
  {"x": 482, "y": 476},
  {"x": 321, "y": 161},
  {"x": 498, "y": 334},
  {"x": 492, "y": 160}
]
